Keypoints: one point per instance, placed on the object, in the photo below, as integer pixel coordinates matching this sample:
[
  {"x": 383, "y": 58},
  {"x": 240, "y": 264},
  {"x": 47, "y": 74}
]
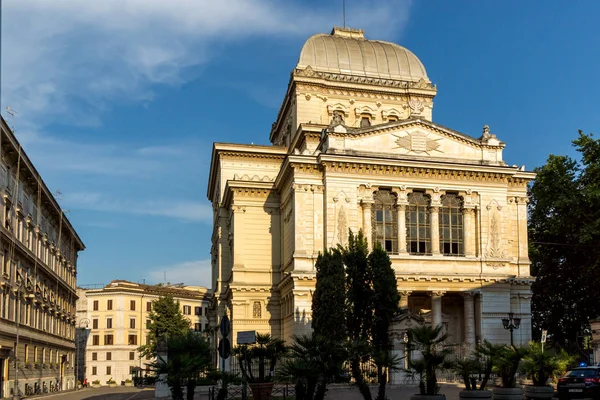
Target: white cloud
[
  {"x": 181, "y": 209},
  {"x": 189, "y": 272},
  {"x": 69, "y": 60}
]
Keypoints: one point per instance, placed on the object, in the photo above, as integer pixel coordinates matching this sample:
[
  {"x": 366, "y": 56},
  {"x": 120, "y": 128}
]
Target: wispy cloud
[
  {"x": 181, "y": 209},
  {"x": 196, "y": 272},
  {"x": 73, "y": 65}
]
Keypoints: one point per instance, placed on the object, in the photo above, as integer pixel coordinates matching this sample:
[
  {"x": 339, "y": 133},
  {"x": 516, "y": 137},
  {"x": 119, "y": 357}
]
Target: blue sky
[{"x": 119, "y": 101}]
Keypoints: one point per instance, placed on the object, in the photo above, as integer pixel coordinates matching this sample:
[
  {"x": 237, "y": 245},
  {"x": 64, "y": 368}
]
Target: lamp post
[
  {"x": 83, "y": 324},
  {"x": 511, "y": 323}
]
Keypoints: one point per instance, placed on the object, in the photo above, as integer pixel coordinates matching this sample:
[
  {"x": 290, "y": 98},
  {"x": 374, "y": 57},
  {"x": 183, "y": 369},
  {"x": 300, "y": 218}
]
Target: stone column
[
  {"x": 469, "y": 315},
  {"x": 237, "y": 235},
  {"x": 404, "y": 299},
  {"x": 435, "y": 229},
  {"x": 522, "y": 229},
  {"x": 367, "y": 231},
  {"x": 436, "y": 308},
  {"x": 401, "y": 228},
  {"x": 469, "y": 231}
]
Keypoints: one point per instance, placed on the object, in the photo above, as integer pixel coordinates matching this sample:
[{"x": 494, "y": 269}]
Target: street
[{"x": 104, "y": 393}]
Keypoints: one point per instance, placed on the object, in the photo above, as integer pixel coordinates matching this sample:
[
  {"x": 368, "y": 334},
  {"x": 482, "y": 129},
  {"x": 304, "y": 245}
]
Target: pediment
[{"x": 415, "y": 139}]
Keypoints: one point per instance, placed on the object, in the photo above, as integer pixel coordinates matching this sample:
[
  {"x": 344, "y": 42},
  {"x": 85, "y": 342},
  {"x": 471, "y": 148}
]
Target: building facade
[
  {"x": 115, "y": 319},
  {"x": 38, "y": 260},
  {"x": 354, "y": 147}
]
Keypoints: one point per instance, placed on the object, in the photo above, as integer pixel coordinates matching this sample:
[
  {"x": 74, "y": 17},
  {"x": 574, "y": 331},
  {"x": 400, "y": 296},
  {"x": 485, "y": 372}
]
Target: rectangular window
[
  {"x": 187, "y": 310},
  {"x": 148, "y": 323},
  {"x": 109, "y": 304},
  {"x": 206, "y": 311},
  {"x": 198, "y": 310},
  {"x": 96, "y": 340},
  {"x": 94, "y": 356},
  {"x": 95, "y": 305},
  {"x": 132, "y": 355},
  {"x": 132, "y": 323},
  {"x": 451, "y": 225},
  {"x": 108, "y": 323},
  {"x": 418, "y": 224},
  {"x": 149, "y": 306},
  {"x": 132, "y": 340},
  {"x": 108, "y": 340},
  {"x": 198, "y": 327},
  {"x": 131, "y": 367},
  {"x": 132, "y": 305},
  {"x": 108, "y": 356},
  {"x": 94, "y": 370},
  {"x": 108, "y": 371},
  {"x": 95, "y": 324}
]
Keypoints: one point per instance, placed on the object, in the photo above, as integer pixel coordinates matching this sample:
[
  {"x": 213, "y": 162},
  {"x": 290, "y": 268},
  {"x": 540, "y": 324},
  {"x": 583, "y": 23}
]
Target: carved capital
[
  {"x": 404, "y": 293},
  {"x": 468, "y": 295},
  {"x": 437, "y": 293},
  {"x": 238, "y": 209},
  {"x": 468, "y": 210}
]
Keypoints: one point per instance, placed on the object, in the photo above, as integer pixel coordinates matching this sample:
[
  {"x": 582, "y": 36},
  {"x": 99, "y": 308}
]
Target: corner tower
[{"x": 365, "y": 82}]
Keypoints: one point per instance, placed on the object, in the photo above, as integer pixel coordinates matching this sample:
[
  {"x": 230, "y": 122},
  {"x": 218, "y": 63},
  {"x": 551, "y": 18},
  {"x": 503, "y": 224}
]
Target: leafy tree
[
  {"x": 166, "y": 322},
  {"x": 328, "y": 322},
  {"x": 359, "y": 305},
  {"x": 564, "y": 232},
  {"x": 188, "y": 354},
  {"x": 385, "y": 306},
  {"x": 328, "y": 302}
]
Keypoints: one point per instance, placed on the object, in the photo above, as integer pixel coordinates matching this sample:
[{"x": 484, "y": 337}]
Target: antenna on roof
[
  {"x": 344, "y": 11},
  {"x": 12, "y": 113}
]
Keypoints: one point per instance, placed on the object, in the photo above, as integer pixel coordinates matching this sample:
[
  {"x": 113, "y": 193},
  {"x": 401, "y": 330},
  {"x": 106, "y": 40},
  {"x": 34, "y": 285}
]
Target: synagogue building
[{"x": 354, "y": 146}]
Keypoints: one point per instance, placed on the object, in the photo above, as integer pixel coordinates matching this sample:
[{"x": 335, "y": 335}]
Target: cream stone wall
[{"x": 276, "y": 207}]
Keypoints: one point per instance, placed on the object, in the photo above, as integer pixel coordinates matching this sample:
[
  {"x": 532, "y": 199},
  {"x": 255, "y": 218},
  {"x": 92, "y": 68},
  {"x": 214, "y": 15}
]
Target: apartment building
[
  {"x": 38, "y": 269},
  {"x": 117, "y": 316}
]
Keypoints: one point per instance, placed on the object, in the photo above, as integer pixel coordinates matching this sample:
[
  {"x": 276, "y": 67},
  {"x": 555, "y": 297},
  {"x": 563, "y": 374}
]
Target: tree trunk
[
  {"x": 191, "y": 388},
  {"x": 363, "y": 388},
  {"x": 382, "y": 380}
]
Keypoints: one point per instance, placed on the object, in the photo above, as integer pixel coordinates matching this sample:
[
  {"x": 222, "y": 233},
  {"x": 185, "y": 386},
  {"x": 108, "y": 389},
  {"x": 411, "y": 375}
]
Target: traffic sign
[
  {"x": 544, "y": 335},
  {"x": 225, "y": 327},
  {"x": 224, "y": 348},
  {"x": 246, "y": 337}
]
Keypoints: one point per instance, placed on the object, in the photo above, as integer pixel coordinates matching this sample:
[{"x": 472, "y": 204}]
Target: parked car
[{"x": 577, "y": 383}]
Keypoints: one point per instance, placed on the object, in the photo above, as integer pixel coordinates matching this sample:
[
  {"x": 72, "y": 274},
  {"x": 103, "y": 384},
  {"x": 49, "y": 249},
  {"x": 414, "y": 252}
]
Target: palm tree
[
  {"x": 315, "y": 361},
  {"x": 188, "y": 355},
  {"x": 430, "y": 342}
]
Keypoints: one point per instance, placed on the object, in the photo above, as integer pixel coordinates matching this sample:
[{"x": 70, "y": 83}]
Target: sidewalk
[{"x": 346, "y": 392}]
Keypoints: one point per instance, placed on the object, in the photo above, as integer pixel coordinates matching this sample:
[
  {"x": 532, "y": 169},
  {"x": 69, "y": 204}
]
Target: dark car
[{"x": 582, "y": 382}]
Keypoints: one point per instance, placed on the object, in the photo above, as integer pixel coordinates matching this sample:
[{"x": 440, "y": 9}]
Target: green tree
[
  {"x": 385, "y": 306},
  {"x": 188, "y": 354},
  {"x": 359, "y": 306},
  {"x": 166, "y": 322},
  {"x": 315, "y": 360},
  {"x": 564, "y": 231},
  {"x": 329, "y": 298}
]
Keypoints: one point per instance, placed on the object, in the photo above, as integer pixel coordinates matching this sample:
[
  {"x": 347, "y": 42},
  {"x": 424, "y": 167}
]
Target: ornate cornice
[
  {"x": 468, "y": 279},
  {"x": 347, "y": 78},
  {"x": 420, "y": 172}
]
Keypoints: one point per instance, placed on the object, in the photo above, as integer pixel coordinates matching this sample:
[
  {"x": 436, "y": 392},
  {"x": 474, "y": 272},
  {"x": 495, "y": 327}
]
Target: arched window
[
  {"x": 256, "y": 310},
  {"x": 451, "y": 226},
  {"x": 365, "y": 120},
  {"x": 418, "y": 224},
  {"x": 384, "y": 220}
]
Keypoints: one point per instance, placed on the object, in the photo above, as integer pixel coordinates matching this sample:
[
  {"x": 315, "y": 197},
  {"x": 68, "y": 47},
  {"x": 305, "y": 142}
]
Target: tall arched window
[
  {"x": 384, "y": 220},
  {"x": 418, "y": 224},
  {"x": 451, "y": 226}
]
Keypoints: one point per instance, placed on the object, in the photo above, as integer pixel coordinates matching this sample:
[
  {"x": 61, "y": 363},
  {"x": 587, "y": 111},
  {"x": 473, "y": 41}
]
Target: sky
[{"x": 119, "y": 101}]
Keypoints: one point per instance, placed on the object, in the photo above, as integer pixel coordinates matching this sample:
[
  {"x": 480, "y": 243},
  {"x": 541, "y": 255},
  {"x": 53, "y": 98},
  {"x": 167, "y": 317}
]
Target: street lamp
[
  {"x": 83, "y": 324},
  {"x": 511, "y": 323}
]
